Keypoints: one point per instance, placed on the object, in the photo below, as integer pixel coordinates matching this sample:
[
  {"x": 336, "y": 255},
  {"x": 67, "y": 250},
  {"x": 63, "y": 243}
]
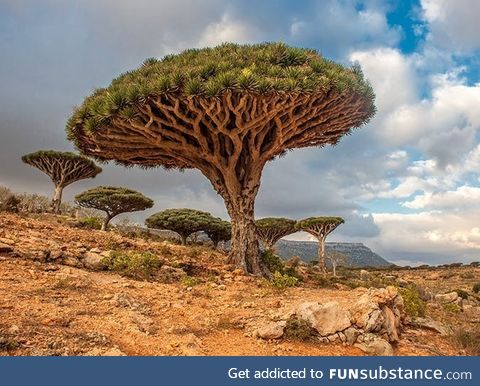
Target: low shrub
[
  {"x": 273, "y": 262},
  {"x": 453, "y": 308},
  {"x": 297, "y": 329},
  {"x": 469, "y": 341},
  {"x": 8, "y": 201},
  {"x": 189, "y": 281},
  {"x": 323, "y": 281},
  {"x": 282, "y": 281},
  {"x": 137, "y": 265},
  {"x": 476, "y": 288},
  {"x": 414, "y": 305},
  {"x": 89, "y": 223}
]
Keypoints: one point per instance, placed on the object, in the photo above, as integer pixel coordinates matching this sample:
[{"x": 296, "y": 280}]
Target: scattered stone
[
  {"x": 222, "y": 287},
  {"x": 94, "y": 261},
  {"x": 273, "y": 330},
  {"x": 123, "y": 299},
  {"x": 4, "y": 240},
  {"x": 446, "y": 298},
  {"x": 373, "y": 345},
  {"x": 351, "y": 335},
  {"x": 327, "y": 318},
  {"x": 434, "y": 325}
]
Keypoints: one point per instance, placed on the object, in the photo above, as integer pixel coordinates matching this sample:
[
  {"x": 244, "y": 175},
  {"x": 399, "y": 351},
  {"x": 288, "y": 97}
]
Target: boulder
[
  {"x": 380, "y": 311},
  {"x": 94, "y": 261},
  {"x": 446, "y": 298},
  {"x": 373, "y": 345},
  {"x": 327, "y": 318},
  {"x": 273, "y": 330}
]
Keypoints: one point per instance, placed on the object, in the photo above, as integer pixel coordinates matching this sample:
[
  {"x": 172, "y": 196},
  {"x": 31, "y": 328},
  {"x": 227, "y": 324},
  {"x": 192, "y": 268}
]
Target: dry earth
[{"x": 48, "y": 308}]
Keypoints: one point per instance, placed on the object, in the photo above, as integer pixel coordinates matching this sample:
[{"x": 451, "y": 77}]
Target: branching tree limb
[{"x": 225, "y": 111}]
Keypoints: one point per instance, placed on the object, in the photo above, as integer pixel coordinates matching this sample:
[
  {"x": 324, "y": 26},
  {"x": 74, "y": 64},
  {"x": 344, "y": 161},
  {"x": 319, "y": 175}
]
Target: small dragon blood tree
[
  {"x": 64, "y": 168},
  {"x": 219, "y": 230},
  {"x": 113, "y": 201},
  {"x": 272, "y": 229},
  {"x": 182, "y": 221},
  {"x": 225, "y": 111},
  {"x": 320, "y": 227}
]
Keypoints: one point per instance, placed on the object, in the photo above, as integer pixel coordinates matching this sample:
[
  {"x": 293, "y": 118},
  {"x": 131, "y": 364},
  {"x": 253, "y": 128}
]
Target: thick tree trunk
[
  {"x": 57, "y": 199},
  {"x": 321, "y": 254},
  {"x": 106, "y": 220},
  {"x": 245, "y": 251}
]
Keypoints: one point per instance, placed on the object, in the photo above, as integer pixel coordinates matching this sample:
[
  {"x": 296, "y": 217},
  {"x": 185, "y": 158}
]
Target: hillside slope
[{"x": 358, "y": 254}]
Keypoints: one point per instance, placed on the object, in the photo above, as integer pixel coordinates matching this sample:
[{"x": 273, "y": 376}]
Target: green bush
[
  {"x": 297, "y": 329},
  {"x": 282, "y": 281},
  {"x": 190, "y": 281},
  {"x": 137, "y": 265},
  {"x": 476, "y": 288},
  {"x": 414, "y": 305},
  {"x": 8, "y": 201},
  {"x": 452, "y": 308},
  {"x": 272, "y": 261},
  {"x": 89, "y": 223}
]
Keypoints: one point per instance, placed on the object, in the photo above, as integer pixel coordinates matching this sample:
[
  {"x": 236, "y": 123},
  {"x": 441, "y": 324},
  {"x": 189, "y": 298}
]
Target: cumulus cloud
[
  {"x": 463, "y": 198},
  {"x": 453, "y": 25}
]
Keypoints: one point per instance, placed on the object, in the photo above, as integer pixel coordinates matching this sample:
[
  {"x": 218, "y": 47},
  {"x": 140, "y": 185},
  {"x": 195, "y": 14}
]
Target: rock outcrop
[{"x": 372, "y": 323}]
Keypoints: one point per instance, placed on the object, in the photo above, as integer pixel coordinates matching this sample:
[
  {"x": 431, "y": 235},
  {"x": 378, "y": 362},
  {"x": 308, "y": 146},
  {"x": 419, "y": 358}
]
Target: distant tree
[
  {"x": 63, "y": 168},
  {"x": 182, "y": 221},
  {"x": 113, "y": 201},
  {"x": 320, "y": 227},
  {"x": 336, "y": 258},
  {"x": 9, "y": 202},
  {"x": 219, "y": 230},
  {"x": 225, "y": 111},
  {"x": 272, "y": 229}
]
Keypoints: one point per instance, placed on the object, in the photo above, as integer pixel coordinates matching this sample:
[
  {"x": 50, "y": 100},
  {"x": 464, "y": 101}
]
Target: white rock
[{"x": 327, "y": 318}]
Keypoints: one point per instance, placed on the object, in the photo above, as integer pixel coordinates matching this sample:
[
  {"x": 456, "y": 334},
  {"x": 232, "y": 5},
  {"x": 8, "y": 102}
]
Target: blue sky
[{"x": 407, "y": 183}]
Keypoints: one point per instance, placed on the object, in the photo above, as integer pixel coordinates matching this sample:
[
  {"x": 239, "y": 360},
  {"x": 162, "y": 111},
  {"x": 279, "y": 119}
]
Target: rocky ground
[{"x": 55, "y": 300}]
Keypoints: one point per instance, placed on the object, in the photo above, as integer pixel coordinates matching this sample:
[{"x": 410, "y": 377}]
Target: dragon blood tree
[
  {"x": 64, "y": 168},
  {"x": 225, "y": 111},
  {"x": 182, "y": 221},
  {"x": 272, "y": 229},
  {"x": 320, "y": 227},
  {"x": 113, "y": 201},
  {"x": 219, "y": 230}
]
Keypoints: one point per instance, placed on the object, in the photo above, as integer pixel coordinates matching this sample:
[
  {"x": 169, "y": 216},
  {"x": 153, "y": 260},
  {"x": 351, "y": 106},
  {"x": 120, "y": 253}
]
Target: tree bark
[
  {"x": 106, "y": 220},
  {"x": 321, "y": 254},
  {"x": 57, "y": 199},
  {"x": 245, "y": 251}
]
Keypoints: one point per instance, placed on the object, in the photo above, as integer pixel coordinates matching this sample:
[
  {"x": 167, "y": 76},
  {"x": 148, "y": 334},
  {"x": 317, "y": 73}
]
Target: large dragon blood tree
[
  {"x": 63, "y": 168},
  {"x": 225, "y": 111}
]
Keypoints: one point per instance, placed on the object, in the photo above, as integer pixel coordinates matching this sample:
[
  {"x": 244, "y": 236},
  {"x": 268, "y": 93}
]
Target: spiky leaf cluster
[
  {"x": 113, "y": 200},
  {"x": 183, "y": 221},
  {"x": 259, "y": 68}
]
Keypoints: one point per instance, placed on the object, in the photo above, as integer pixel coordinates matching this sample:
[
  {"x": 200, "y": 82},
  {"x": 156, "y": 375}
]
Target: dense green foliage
[
  {"x": 272, "y": 261},
  {"x": 219, "y": 230},
  {"x": 282, "y": 281},
  {"x": 258, "y": 68},
  {"x": 414, "y": 305},
  {"x": 311, "y": 222},
  {"x": 183, "y": 221},
  {"x": 113, "y": 200},
  {"x": 275, "y": 223},
  {"x": 138, "y": 265}
]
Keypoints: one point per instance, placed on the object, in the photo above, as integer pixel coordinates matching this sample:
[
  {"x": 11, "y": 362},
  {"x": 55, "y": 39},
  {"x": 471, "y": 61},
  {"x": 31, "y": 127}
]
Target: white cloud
[
  {"x": 463, "y": 198},
  {"x": 453, "y": 25},
  {"x": 226, "y": 30}
]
